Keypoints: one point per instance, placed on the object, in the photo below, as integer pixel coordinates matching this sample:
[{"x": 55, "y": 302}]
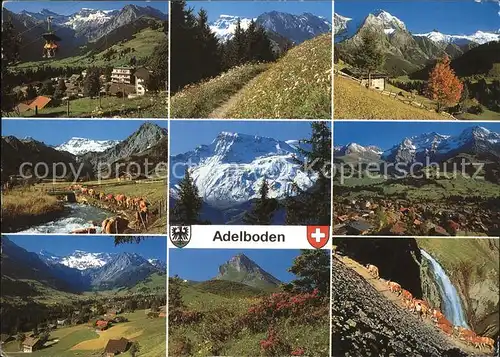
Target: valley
[
  {"x": 440, "y": 273},
  {"x": 85, "y": 185},
  {"x": 107, "y": 63},
  {"x": 79, "y": 302},
  {"x": 400, "y": 67},
  {"x": 428, "y": 184},
  {"x": 241, "y": 56},
  {"x": 245, "y": 309},
  {"x": 247, "y": 178}
]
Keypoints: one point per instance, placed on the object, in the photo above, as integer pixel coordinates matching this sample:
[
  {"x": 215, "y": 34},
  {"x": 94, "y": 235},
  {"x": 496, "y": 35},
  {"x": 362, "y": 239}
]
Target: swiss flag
[{"x": 318, "y": 236}]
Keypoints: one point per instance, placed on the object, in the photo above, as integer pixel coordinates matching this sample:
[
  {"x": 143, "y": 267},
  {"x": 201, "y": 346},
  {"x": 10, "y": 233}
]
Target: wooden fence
[{"x": 395, "y": 95}]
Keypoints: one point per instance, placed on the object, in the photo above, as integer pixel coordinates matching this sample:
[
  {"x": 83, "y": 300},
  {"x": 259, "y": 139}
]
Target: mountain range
[
  {"x": 405, "y": 52},
  {"x": 150, "y": 142},
  {"x": 82, "y": 30},
  {"x": 477, "y": 141},
  {"x": 79, "y": 271},
  {"x": 229, "y": 171},
  {"x": 295, "y": 28}
]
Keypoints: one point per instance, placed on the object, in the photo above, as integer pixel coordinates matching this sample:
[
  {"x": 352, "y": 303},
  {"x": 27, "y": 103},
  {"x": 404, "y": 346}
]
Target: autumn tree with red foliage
[{"x": 443, "y": 85}]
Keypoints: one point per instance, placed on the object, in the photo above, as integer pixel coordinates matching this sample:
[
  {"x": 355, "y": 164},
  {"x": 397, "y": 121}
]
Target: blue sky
[
  {"x": 188, "y": 134},
  {"x": 56, "y": 132},
  {"x": 203, "y": 264},
  {"x": 450, "y": 17},
  {"x": 252, "y": 9},
  {"x": 387, "y": 134},
  {"x": 70, "y": 7},
  {"x": 151, "y": 247}
]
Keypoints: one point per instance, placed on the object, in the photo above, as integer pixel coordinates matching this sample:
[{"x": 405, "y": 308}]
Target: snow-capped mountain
[
  {"x": 340, "y": 23},
  {"x": 479, "y": 37},
  {"x": 474, "y": 140},
  {"x": 89, "y": 18},
  {"x": 389, "y": 22},
  {"x": 43, "y": 14},
  {"x": 354, "y": 148},
  {"x": 78, "y": 259},
  {"x": 80, "y": 146},
  {"x": 231, "y": 169},
  {"x": 86, "y": 24},
  {"x": 225, "y": 26},
  {"x": 296, "y": 28}
]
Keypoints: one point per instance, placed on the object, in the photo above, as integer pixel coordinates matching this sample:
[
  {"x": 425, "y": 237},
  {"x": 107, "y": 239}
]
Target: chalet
[
  {"x": 122, "y": 75},
  {"x": 115, "y": 347},
  {"x": 358, "y": 227},
  {"x": 102, "y": 324},
  {"x": 378, "y": 80},
  {"x": 22, "y": 108},
  {"x": 62, "y": 322},
  {"x": 84, "y": 74},
  {"x": 75, "y": 78},
  {"x": 31, "y": 344},
  {"x": 40, "y": 102},
  {"x": 121, "y": 89},
  {"x": 141, "y": 77}
]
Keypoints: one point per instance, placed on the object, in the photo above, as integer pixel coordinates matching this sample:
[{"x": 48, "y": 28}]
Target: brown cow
[
  {"x": 394, "y": 287},
  {"x": 129, "y": 202},
  {"x": 373, "y": 270},
  {"x": 102, "y": 196},
  {"x": 120, "y": 199},
  {"x": 436, "y": 315},
  {"x": 406, "y": 294},
  {"x": 114, "y": 225},
  {"x": 447, "y": 329},
  {"x": 486, "y": 342}
]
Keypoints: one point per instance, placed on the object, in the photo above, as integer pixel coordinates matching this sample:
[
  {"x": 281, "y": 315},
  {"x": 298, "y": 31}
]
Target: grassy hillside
[
  {"x": 352, "y": 101},
  {"x": 146, "y": 106},
  {"x": 473, "y": 267},
  {"x": 141, "y": 46},
  {"x": 82, "y": 340},
  {"x": 200, "y": 100},
  {"x": 216, "y": 323},
  {"x": 297, "y": 86}
]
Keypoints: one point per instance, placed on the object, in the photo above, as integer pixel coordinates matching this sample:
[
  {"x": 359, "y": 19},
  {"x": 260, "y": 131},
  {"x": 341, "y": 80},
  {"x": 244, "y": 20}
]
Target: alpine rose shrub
[{"x": 303, "y": 308}]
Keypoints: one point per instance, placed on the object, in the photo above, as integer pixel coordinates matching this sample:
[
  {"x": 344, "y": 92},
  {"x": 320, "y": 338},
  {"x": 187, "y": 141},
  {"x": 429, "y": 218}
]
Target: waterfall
[{"x": 451, "y": 304}]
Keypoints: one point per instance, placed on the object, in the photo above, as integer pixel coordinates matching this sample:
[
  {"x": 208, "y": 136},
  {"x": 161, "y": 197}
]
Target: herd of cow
[
  {"x": 115, "y": 224},
  {"x": 423, "y": 310}
]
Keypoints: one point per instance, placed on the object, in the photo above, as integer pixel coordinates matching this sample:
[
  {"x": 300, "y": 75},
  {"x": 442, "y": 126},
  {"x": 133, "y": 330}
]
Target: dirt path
[
  {"x": 383, "y": 289},
  {"x": 221, "y": 111}
]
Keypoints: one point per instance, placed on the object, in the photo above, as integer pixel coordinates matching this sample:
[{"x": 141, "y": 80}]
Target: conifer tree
[
  {"x": 208, "y": 46},
  {"x": 60, "y": 89},
  {"x": 369, "y": 55},
  {"x": 92, "y": 83},
  {"x": 259, "y": 45},
  {"x": 313, "y": 206},
  {"x": 263, "y": 209},
  {"x": 312, "y": 268},
  {"x": 186, "y": 210},
  {"x": 182, "y": 37},
  {"x": 30, "y": 92}
]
